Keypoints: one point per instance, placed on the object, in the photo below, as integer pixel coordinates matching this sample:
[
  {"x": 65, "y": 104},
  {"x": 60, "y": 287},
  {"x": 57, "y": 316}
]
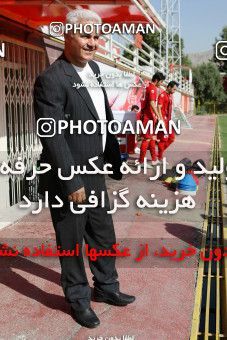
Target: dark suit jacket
[{"x": 55, "y": 97}]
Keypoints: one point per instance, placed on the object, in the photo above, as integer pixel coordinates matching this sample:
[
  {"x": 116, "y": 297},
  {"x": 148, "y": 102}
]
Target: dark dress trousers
[{"x": 56, "y": 98}]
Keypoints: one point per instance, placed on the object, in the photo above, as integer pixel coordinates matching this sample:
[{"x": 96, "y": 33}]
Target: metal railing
[
  {"x": 144, "y": 61},
  {"x": 209, "y": 317}
]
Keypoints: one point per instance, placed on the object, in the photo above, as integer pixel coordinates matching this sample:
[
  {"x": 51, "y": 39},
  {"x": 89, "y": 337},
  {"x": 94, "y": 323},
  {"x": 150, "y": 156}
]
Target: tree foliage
[
  {"x": 208, "y": 84},
  {"x": 152, "y": 40}
]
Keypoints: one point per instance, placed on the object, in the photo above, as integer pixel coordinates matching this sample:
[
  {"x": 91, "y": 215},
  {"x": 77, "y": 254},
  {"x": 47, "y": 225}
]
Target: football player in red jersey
[
  {"x": 149, "y": 112},
  {"x": 165, "y": 107}
]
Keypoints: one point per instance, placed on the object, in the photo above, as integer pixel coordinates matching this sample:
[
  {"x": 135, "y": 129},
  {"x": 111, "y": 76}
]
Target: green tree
[
  {"x": 221, "y": 64},
  {"x": 208, "y": 84},
  {"x": 152, "y": 40},
  {"x": 186, "y": 61}
]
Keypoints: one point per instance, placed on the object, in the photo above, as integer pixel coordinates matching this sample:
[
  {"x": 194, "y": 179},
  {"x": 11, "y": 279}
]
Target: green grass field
[{"x": 222, "y": 122}]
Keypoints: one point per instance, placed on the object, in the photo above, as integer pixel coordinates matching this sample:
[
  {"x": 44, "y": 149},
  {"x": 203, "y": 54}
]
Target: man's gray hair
[{"x": 77, "y": 15}]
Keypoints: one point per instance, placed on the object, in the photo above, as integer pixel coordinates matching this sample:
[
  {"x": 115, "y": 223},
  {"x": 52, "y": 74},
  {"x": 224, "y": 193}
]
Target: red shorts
[{"x": 162, "y": 137}]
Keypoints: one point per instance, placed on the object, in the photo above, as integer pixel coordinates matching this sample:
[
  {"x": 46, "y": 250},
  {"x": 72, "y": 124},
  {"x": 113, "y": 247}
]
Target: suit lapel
[
  {"x": 95, "y": 69},
  {"x": 83, "y": 92}
]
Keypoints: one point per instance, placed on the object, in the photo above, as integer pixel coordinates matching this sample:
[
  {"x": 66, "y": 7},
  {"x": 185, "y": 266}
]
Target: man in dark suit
[{"x": 55, "y": 98}]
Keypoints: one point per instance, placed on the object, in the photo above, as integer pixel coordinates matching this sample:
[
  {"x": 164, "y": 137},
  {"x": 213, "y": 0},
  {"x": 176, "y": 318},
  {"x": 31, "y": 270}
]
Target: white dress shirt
[{"x": 97, "y": 96}]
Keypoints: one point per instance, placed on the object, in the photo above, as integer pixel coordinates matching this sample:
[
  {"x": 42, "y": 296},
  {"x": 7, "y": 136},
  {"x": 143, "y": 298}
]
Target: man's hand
[{"x": 78, "y": 196}]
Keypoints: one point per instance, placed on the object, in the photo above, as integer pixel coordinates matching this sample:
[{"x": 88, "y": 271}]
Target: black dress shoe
[
  {"x": 86, "y": 318},
  {"x": 113, "y": 298}
]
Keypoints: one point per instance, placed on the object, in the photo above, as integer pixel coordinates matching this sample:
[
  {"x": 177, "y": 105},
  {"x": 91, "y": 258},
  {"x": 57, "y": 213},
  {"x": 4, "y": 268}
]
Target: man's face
[
  {"x": 172, "y": 90},
  {"x": 159, "y": 83},
  {"x": 82, "y": 46}
]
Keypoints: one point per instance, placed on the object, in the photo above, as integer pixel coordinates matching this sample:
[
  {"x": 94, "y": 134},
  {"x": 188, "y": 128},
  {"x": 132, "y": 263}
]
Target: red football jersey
[
  {"x": 166, "y": 101},
  {"x": 151, "y": 95}
]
